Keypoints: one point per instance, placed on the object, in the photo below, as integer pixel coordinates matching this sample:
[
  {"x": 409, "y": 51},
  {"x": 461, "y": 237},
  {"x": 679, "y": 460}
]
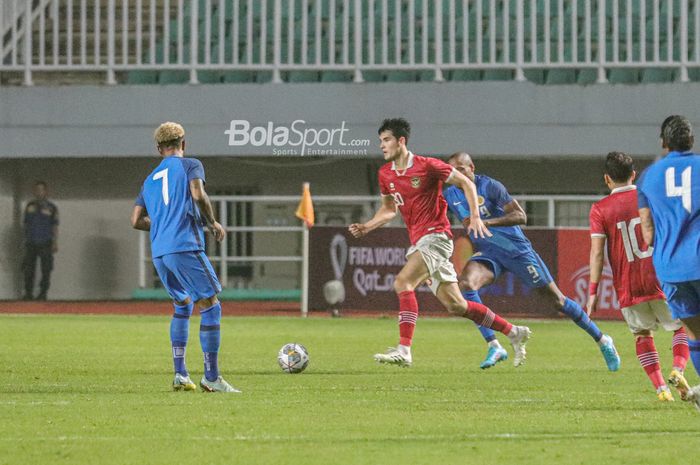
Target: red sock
[
  {"x": 681, "y": 353},
  {"x": 649, "y": 358},
  {"x": 484, "y": 316},
  {"x": 408, "y": 314}
]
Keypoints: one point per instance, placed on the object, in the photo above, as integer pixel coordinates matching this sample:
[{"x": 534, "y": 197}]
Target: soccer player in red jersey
[
  {"x": 412, "y": 184},
  {"x": 615, "y": 220}
]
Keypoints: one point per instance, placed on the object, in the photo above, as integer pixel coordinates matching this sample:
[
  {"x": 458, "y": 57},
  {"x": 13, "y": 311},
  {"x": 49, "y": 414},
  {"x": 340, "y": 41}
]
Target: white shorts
[
  {"x": 646, "y": 316},
  {"x": 436, "y": 250}
]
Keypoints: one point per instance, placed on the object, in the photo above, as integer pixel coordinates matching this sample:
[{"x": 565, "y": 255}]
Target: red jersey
[
  {"x": 617, "y": 219},
  {"x": 417, "y": 191}
]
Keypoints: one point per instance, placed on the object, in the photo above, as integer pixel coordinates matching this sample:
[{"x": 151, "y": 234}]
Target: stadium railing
[
  {"x": 209, "y": 41},
  {"x": 543, "y": 211}
]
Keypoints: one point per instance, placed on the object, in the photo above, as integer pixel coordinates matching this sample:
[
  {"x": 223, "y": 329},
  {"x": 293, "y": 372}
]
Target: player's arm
[
  {"x": 596, "y": 271},
  {"x": 200, "y": 196},
  {"x": 385, "y": 214},
  {"x": 514, "y": 216},
  {"x": 647, "y": 225},
  {"x": 476, "y": 225},
  {"x": 54, "y": 232},
  {"x": 140, "y": 219}
]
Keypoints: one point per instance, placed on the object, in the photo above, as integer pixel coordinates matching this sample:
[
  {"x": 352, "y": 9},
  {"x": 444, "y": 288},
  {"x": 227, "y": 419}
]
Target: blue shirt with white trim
[
  {"x": 176, "y": 223},
  {"x": 670, "y": 188}
]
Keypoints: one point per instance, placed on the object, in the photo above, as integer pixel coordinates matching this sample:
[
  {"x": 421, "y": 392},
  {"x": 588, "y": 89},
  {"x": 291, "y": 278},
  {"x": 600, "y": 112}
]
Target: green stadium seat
[
  {"x": 401, "y": 76},
  {"x": 373, "y": 76},
  {"x": 536, "y": 76},
  {"x": 587, "y": 76},
  {"x": 694, "y": 74},
  {"x": 173, "y": 77},
  {"x": 142, "y": 77},
  {"x": 209, "y": 77},
  {"x": 336, "y": 76},
  {"x": 263, "y": 77},
  {"x": 623, "y": 76},
  {"x": 497, "y": 75},
  {"x": 303, "y": 76},
  {"x": 561, "y": 76},
  {"x": 465, "y": 75},
  {"x": 238, "y": 77},
  {"x": 653, "y": 75}
]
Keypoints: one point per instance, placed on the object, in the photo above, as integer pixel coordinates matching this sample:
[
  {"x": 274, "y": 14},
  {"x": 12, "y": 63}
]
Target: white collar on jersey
[
  {"x": 631, "y": 187},
  {"x": 408, "y": 165}
]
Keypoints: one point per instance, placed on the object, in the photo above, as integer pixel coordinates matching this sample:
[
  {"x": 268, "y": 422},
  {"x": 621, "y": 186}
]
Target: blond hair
[{"x": 169, "y": 134}]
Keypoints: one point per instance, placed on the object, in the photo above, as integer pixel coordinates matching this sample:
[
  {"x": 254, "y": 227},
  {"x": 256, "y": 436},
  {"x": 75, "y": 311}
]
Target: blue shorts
[
  {"x": 529, "y": 267},
  {"x": 187, "y": 274},
  {"x": 683, "y": 298}
]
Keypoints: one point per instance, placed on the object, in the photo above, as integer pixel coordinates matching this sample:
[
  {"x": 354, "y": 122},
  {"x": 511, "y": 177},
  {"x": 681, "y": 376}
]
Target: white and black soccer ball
[{"x": 293, "y": 358}]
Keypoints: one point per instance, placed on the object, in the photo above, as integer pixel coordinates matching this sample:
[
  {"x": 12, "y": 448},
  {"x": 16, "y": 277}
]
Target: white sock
[
  {"x": 404, "y": 350},
  {"x": 604, "y": 340},
  {"x": 495, "y": 344}
]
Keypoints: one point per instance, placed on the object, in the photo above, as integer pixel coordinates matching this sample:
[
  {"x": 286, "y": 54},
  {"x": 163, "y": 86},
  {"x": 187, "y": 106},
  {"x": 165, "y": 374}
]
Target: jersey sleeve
[
  {"x": 139, "y": 199},
  {"x": 596, "y": 222},
  {"x": 642, "y": 200},
  {"x": 383, "y": 187},
  {"x": 498, "y": 193},
  {"x": 439, "y": 169},
  {"x": 456, "y": 202},
  {"x": 193, "y": 169}
]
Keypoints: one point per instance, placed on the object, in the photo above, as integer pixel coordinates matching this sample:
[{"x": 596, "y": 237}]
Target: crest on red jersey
[{"x": 415, "y": 182}]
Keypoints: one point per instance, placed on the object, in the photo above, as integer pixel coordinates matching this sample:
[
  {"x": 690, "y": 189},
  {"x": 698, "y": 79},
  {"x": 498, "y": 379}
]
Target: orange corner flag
[{"x": 305, "y": 210}]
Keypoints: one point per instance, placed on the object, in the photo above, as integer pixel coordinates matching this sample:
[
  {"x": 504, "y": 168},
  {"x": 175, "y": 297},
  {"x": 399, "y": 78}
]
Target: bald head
[{"x": 462, "y": 162}]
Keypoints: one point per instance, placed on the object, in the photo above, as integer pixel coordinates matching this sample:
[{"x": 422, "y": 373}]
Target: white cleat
[
  {"x": 694, "y": 396},
  {"x": 394, "y": 357},
  {"x": 518, "y": 338},
  {"x": 220, "y": 385},
  {"x": 183, "y": 383}
]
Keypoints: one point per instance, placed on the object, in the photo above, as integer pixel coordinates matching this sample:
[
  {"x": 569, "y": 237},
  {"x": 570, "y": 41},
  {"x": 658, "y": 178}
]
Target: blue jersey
[
  {"x": 176, "y": 224},
  {"x": 670, "y": 188},
  {"x": 507, "y": 241}
]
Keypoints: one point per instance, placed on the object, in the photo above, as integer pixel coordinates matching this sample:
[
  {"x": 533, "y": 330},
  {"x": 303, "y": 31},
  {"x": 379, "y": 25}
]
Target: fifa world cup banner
[{"x": 367, "y": 268}]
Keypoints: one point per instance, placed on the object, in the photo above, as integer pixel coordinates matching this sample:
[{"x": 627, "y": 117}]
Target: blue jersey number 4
[{"x": 683, "y": 191}]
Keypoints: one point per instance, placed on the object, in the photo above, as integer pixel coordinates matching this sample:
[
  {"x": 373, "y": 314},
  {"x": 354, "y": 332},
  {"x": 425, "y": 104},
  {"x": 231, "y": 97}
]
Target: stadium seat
[
  {"x": 587, "y": 76},
  {"x": 561, "y": 76},
  {"x": 536, "y": 76},
  {"x": 623, "y": 76},
  {"x": 209, "y": 77},
  {"x": 653, "y": 75},
  {"x": 303, "y": 76},
  {"x": 142, "y": 77},
  {"x": 238, "y": 77},
  {"x": 465, "y": 75},
  {"x": 173, "y": 77},
  {"x": 401, "y": 76},
  {"x": 336, "y": 76}
]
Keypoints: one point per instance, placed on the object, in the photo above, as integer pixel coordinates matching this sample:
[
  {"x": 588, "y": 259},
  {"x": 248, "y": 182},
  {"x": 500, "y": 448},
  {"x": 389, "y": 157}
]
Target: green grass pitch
[{"x": 96, "y": 390}]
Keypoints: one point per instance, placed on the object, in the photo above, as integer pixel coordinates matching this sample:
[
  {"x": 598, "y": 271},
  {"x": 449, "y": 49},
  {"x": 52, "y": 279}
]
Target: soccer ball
[{"x": 293, "y": 358}]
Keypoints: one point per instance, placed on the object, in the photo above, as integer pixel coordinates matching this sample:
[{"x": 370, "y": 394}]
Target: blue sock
[
  {"x": 210, "y": 339},
  {"x": 179, "y": 333},
  {"x": 578, "y": 316},
  {"x": 694, "y": 346},
  {"x": 487, "y": 333}
]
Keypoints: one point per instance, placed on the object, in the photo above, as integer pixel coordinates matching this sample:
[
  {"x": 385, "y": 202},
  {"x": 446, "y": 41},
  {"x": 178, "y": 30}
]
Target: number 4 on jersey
[
  {"x": 163, "y": 174},
  {"x": 683, "y": 190}
]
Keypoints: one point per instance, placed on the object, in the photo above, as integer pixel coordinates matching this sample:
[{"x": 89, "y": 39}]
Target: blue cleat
[
  {"x": 494, "y": 355},
  {"x": 612, "y": 359}
]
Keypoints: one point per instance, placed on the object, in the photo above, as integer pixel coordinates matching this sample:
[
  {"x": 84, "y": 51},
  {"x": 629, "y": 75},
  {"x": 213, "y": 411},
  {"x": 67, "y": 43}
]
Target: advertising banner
[{"x": 367, "y": 268}]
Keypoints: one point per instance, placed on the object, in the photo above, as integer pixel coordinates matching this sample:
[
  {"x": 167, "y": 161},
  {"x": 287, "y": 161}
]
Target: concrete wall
[{"x": 492, "y": 118}]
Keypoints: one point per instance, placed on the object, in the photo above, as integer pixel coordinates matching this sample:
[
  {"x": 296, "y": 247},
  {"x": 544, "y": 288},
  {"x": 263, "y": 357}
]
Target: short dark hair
[
  {"x": 399, "y": 127},
  {"x": 619, "y": 166},
  {"x": 677, "y": 133},
  {"x": 41, "y": 183}
]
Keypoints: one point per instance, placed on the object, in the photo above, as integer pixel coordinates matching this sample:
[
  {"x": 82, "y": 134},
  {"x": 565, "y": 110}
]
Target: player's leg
[
  {"x": 476, "y": 275},
  {"x": 531, "y": 269},
  {"x": 179, "y": 324},
  {"x": 29, "y": 266},
  {"x": 413, "y": 273},
  {"x": 195, "y": 271},
  {"x": 684, "y": 303},
  {"x": 641, "y": 321},
  {"x": 681, "y": 352},
  {"x": 46, "y": 259},
  {"x": 449, "y": 295}
]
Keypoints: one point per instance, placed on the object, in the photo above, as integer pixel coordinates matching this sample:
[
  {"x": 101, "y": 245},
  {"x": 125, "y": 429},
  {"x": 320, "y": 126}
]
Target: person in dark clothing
[{"x": 41, "y": 234}]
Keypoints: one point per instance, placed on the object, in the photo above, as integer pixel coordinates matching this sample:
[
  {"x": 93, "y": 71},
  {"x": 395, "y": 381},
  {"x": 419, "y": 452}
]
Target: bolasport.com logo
[{"x": 297, "y": 138}]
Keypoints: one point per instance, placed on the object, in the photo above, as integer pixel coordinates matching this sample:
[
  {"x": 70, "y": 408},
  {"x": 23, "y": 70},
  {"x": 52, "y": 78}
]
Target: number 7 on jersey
[{"x": 163, "y": 174}]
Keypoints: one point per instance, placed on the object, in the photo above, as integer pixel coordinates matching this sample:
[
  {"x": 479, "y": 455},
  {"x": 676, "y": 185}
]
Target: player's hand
[
  {"x": 478, "y": 228},
  {"x": 592, "y": 304},
  {"x": 358, "y": 230},
  {"x": 218, "y": 231}
]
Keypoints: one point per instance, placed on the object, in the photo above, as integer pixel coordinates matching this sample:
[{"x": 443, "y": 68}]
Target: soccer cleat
[
  {"x": 677, "y": 380},
  {"x": 394, "y": 357},
  {"x": 665, "y": 395},
  {"x": 494, "y": 355},
  {"x": 220, "y": 385},
  {"x": 518, "y": 339},
  {"x": 183, "y": 383},
  {"x": 612, "y": 359}
]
